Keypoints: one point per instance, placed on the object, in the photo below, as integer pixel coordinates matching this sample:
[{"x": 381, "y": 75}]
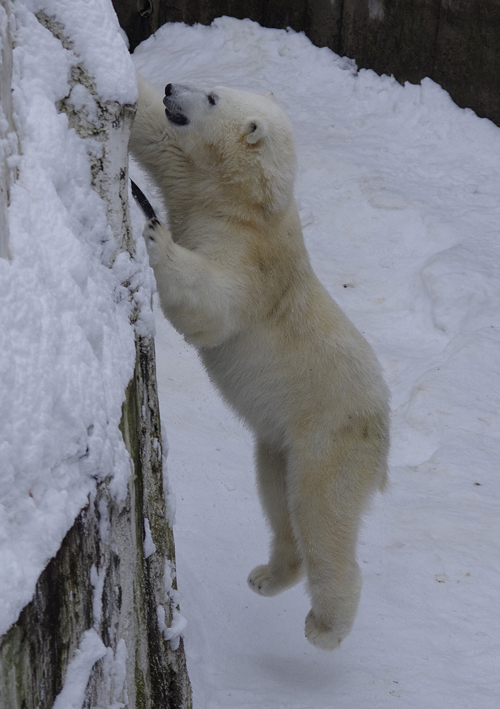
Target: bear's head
[{"x": 243, "y": 141}]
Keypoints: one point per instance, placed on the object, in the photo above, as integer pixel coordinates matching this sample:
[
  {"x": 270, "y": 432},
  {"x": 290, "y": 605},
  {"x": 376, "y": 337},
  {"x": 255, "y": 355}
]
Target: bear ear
[
  {"x": 270, "y": 95},
  {"x": 254, "y": 129}
]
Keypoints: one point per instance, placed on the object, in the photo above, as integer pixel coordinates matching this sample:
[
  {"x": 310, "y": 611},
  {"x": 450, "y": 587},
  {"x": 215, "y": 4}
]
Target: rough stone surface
[
  {"x": 106, "y": 542},
  {"x": 8, "y": 144}
]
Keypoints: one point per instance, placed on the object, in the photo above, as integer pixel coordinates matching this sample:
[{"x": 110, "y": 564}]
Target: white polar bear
[{"x": 234, "y": 278}]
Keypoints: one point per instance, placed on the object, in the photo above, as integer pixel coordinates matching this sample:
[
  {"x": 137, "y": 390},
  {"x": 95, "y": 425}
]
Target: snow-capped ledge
[{"x": 81, "y": 463}]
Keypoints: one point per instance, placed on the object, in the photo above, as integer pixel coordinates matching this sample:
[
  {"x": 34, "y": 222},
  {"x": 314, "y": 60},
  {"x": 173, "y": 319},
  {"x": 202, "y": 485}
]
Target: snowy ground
[{"x": 399, "y": 192}]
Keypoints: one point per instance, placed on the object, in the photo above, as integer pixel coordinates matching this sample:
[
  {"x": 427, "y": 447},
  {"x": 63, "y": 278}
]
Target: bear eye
[{"x": 212, "y": 99}]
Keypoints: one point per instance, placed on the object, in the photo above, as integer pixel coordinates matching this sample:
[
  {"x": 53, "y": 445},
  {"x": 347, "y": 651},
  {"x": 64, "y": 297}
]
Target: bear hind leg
[
  {"x": 284, "y": 568},
  {"x": 328, "y": 540},
  {"x": 327, "y": 501}
]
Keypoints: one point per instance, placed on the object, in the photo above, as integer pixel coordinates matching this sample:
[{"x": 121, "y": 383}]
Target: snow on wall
[{"x": 66, "y": 343}]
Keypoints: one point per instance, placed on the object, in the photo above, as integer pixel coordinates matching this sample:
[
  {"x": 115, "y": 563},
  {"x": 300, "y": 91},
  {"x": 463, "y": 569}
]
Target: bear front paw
[
  {"x": 268, "y": 583},
  {"x": 152, "y": 234},
  {"x": 262, "y": 582}
]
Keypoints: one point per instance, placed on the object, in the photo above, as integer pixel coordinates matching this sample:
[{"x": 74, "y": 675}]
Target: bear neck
[{"x": 249, "y": 197}]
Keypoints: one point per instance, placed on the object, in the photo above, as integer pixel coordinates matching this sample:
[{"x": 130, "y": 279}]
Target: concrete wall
[{"x": 455, "y": 42}]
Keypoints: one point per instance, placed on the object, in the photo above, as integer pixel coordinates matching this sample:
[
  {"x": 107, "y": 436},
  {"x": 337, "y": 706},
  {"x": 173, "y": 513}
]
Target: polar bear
[{"x": 234, "y": 277}]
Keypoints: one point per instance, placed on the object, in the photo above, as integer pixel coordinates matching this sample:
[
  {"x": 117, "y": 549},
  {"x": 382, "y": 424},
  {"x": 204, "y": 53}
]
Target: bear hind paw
[{"x": 324, "y": 636}]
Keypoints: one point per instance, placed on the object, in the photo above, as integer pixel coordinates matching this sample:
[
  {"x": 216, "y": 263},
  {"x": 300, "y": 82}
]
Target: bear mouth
[{"x": 174, "y": 113}]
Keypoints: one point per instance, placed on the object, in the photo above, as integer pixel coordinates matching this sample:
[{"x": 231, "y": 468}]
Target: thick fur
[{"x": 235, "y": 279}]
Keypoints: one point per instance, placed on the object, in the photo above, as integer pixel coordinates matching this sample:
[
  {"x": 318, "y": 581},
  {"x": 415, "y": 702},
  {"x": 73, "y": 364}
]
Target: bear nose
[{"x": 168, "y": 89}]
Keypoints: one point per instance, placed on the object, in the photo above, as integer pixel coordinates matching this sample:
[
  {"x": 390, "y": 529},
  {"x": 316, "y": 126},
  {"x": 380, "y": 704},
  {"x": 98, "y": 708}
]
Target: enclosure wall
[{"x": 454, "y": 42}]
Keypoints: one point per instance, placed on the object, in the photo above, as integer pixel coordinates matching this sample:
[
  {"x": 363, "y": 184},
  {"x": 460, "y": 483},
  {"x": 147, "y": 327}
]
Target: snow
[
  {"x": 149, "y": 545},
  {"x": 97, "y": 580},
  {"x": 91, "y": 650},
  {"x": 398, "y": 191},
  {"x": 176, "y": 629},
  {"x": 95, "y": 34},
  {"x": 398, "y": 194},
  {"x": 66, "y": 342}
]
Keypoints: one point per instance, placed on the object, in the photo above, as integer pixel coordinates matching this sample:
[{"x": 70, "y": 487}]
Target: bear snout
[
  {"x": 172, "y": 109},
  {"x": 176, "y": 89}
]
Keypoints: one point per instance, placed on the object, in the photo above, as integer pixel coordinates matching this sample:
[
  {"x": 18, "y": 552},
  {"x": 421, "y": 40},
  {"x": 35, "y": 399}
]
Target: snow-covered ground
[{"x": 399, "y": 194}]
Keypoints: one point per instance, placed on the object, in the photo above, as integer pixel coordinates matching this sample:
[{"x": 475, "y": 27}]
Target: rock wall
[
  {"x": 6, "y": 128},
  {"x": 454, "y": 42},
  {"x": 102, "y": 587},
  {"x": 103, "y": 628}
]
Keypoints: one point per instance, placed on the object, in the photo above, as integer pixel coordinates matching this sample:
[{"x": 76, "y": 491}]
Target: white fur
[{"x": 235, "y": 279}]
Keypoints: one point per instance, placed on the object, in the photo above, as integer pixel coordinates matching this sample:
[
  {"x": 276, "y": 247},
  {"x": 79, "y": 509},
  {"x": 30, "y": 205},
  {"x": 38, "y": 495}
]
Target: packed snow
[
  {"x": 399, "y": 196},
  {"x": 66, "y": 342}
]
